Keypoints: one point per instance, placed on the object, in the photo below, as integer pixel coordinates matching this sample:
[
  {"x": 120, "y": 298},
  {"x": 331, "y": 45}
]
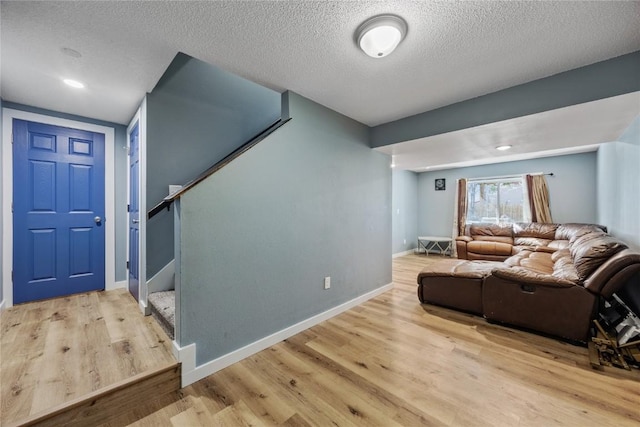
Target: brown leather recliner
[{"x": 552, "y": 284}]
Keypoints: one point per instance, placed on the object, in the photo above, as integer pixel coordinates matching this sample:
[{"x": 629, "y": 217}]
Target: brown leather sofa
[
  {"x": 494, "y": 242},
  {"x": 552, "y": 282}
]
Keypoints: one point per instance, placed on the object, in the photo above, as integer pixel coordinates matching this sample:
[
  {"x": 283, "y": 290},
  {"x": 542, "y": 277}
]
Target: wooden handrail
[{"x": 167, "y": 201}]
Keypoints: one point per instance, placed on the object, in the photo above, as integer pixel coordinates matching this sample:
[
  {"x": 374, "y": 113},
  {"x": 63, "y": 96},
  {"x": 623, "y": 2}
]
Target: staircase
[{"x": 163, "y": 309}]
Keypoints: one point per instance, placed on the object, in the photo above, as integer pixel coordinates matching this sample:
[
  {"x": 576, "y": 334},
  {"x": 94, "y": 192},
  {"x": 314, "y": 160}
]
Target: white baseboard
[
  {"x": 399, "y": 254},
  {"x": 144, "y": 308},
  {"x": 187, "y": 355},
  {"x": 117, "y": 285},
  {"x": 163, "y": 280}
]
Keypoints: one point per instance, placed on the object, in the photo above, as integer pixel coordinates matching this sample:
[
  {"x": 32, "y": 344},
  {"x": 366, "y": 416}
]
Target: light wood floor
[
  {"x": 58, "y": 350},
  {"x": 393, "y": 362},
  {"x": 387, "y": 362}
]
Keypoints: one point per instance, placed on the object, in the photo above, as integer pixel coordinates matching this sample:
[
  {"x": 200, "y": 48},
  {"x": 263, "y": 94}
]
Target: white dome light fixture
[
  {"x": 73, "y": 83},
  {"x": 380, "y": 35}
]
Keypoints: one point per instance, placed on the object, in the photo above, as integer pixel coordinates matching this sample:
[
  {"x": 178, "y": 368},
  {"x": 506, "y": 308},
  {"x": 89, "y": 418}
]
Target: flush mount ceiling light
[
  {"x": 503, "y": 147},
  {"x": 73, "y": 83},
  {"x": 380, "y": 35}
]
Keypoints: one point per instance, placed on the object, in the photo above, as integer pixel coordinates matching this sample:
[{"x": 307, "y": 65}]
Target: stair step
[
  {"x": 104, "y": 405},
  {"x": 163, "y": 309}
]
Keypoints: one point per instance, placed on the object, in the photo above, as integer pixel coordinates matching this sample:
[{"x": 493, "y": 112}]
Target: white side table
[{"x": 439, "y": 243}]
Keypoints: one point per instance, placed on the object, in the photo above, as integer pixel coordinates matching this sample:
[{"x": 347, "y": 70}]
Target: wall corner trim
[
  {"x": 144, "y": 308},
  {"x": 187, "y": 355}
]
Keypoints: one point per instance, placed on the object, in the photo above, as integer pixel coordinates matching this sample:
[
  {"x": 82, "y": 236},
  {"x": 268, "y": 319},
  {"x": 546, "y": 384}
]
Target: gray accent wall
[
  {"x": 596, "y": 81},
  {"x": 1, "y": 212},
  {"x": 404, "y": 211},
  {"x": 120, "y": 173},
  {"x": 619, "y": 185},
  {"x": 572, "y": 190},
  {"x": 196, "y": 115},
  {"x": 259, "y": 236}
]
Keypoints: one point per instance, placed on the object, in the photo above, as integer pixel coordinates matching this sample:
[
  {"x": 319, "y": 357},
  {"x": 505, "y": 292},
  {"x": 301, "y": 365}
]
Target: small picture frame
[{"x": 441, "y": 184}]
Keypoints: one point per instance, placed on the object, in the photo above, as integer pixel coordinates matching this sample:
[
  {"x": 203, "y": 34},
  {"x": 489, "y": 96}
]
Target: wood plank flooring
[
  {"x": 388, "y": 362},
  {"x": 393, "y": 362},
  {"x": 59, "y": 350}
]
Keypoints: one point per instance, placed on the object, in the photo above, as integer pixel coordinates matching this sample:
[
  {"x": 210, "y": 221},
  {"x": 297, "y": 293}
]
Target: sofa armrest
[
  {"x": 526, "y": 276},
  {"x": 463, "y": 239},
  {"x": 461, "y": 249},
  {"x": 615, "y": 273}
]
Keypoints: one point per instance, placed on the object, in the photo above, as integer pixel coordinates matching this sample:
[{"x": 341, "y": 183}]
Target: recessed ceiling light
[
  {"x": 73, "y": 83},
  {"x": 380, "y": 35},
  {"x": 503, "y": 147}
]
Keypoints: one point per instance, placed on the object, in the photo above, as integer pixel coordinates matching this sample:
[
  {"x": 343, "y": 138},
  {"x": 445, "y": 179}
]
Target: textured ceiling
[{"x": 453, "y": 50}]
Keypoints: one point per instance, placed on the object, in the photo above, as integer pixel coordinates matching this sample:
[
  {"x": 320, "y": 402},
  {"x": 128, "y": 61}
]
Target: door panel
[
  {"x": 58, "y": 191},
  {"x": 134, "y": 211}
]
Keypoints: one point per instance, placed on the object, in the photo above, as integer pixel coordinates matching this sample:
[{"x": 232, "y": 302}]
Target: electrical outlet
[
  {"x": 327, "y": 282},
  {"x": 404, "y": 241}
]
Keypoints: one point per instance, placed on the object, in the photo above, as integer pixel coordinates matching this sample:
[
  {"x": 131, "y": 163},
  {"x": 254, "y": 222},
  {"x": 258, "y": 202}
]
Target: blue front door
[
  {"x": 58, "y": 211},
  {"x": 134, "y": 211}
]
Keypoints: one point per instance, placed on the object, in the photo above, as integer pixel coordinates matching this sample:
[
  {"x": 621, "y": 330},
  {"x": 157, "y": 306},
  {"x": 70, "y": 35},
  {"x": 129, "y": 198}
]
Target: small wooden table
[{"x": 439, "y": 243}]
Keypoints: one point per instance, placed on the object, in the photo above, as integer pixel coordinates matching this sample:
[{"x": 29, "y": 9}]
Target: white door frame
[
  {"x": 8, "y": 115},
  {"x": 141, "y": 119}
]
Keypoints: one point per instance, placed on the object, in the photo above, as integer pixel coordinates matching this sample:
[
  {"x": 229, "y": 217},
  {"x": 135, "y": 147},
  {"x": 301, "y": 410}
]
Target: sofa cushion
[
  {"x": 572, "y": 230},
  {"x": 493, "y": 232},
  {"x": 539, "y": 262},
  {"x": 489, "y": 248},
  {"x": 558, "y": 244},
  {"x": 590, "y": 250},
  {"x": 531, "y": 242},
  {"x": 548, "y": 249},
  {"x": 458, "y": 268},
  {"x": 538, "y": 230},
  {"x": 563, "y": 268}
]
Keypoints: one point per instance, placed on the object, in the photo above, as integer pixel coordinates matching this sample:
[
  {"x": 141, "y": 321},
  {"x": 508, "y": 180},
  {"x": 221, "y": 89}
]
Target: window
[{"x": 499, "y": 201}]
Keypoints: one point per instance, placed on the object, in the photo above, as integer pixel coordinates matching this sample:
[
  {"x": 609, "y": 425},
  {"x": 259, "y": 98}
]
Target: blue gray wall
[
  {"x": 120, "y": 160},
  {"x": 196, "y": 115},
  {"x": 259, "y": 236},
  {"x": 1, "y": 210},
  {"x": 619, "y": 185},
  {"x": 571, "y": 190},
  {"x": 404, "y": 211},
  {"x": 604, "y": 79}
]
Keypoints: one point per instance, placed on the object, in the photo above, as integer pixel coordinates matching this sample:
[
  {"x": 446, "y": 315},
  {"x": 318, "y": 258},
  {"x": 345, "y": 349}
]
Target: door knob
[
  {"x": 97, "y": 220},
  {"x": 135, "y": 221}
]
